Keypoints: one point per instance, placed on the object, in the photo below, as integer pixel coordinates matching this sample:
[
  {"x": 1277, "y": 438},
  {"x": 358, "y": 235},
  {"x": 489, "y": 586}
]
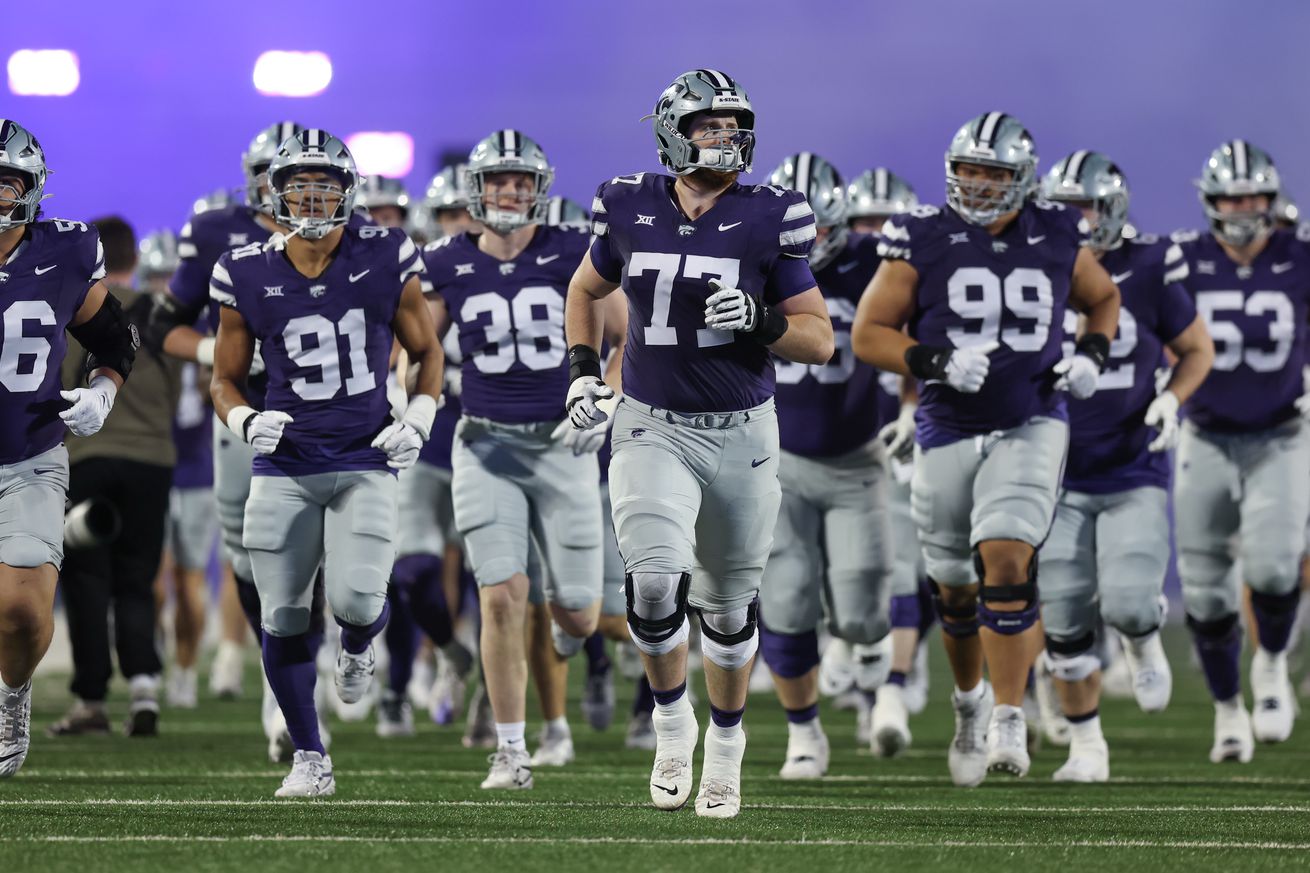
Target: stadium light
[
  {"x": 292, "y": 74},
  {"x": 43, "y": 73},
  {"x": 382, "y": 153}
]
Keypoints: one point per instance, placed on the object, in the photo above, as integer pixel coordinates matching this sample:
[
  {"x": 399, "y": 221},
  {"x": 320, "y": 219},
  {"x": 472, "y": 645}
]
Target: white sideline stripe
[
  {"x": 530, "y": 804},
  {"x": 665, "y": 841}
]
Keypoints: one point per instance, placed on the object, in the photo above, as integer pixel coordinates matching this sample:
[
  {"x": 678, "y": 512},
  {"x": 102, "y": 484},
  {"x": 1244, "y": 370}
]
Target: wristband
[
  {"x": 583, "y": 361},
  {"x": 1095, "y": 346},
  {"x": 238, "y": 421},
  {"x": 772, "y": 324},
  {"x": 927, "y": 362}
]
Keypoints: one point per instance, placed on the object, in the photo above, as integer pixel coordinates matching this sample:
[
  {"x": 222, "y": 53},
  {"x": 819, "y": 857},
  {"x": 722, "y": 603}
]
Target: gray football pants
[
  {"x": 345, "y": 521},
  {"x": 232, "y": 459},
  {"x": 832, "y": 544}
]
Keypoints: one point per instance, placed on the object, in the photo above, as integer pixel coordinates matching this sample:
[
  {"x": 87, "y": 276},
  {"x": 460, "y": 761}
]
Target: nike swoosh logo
[
  {"x": 729, "y": 226},
  {"x": 46, "y": 470},
  {"x": 1282, "y": 268},
  {"x": 541, "y": 262},
  {"x": 43, "y": 270},
  {"x": 1119, "y": 277},
  {"x": 846, "y": 268},
  {"x": 760, "y": 461},
  {"x": 713, "y": 805},
  {"x": 1034, "y": 240},
  {"x": 11, "y": 755},
  {"x": 666, "y": 789},
  {"x": 355, "y": 277}
]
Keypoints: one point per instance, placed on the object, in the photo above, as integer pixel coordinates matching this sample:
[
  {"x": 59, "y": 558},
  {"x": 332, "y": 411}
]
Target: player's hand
[
  {"x": 90, "y": 407},
  {"x": 581, "y": 404},
  {"x": 966, "y": 369},
  {"x": 1163, "y": 415},
  {"x": 264, "y": 431},
  {"x": 730, "y": 309},
  {"x": 1077, "y": 375},
  {"x": 401, "y": 442},
  {"x": 1303, "y": 405},
  {"x": 899, "y": 435},
  {"x": 588, "y": 441}
]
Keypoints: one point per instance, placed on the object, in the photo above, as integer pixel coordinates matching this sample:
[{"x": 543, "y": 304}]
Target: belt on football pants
[{"x": 701, "y": 420}]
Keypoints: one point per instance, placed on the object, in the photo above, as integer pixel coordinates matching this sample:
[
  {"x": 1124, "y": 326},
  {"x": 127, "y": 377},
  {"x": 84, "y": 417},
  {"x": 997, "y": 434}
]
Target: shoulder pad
[{"x": 1185, "y": 236}]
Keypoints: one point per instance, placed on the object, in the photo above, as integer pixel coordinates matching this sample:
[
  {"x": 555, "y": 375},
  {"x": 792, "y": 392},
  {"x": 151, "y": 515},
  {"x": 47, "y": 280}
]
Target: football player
[
  {"x": 325, "y": 303},
  {"x": 981, "y": 284},
  {"x": 385, "y": 200},
  {"x": 52, "y": 283},
  {"x": 716, "y": 277},
  {"x": 503, "y": 287},
  {"x": 1245, "y": 449},
  {"x": 832, "y": 542},
  {"x": 1108, "y": 549}
]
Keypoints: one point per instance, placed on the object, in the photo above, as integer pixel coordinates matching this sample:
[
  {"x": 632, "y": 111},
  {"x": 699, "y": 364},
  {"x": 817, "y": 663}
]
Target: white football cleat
[
  {"x": 1088, "y": 762},
  {"x": 1233, "y": 740},
  {"x": 354, "y": 674},
  {"x": 873, "y": 662},
  {"x": 891, "y": 723},
  {"x": 310, "y": 776},
  {"x": 395, "y": 716},
  {"x": 15, "y": 728},
  {"x": 1274, "y": 711},
  {"x": 1007, "y": 741},
  {"x": 510, "y": 769},
  {"x": 675, "y": 743},
  {"x": 1152, "y": 678},
  {"x": 836, "y": 668},
  {"x": 967, "y": 757},
  {"x": 807, "y": 753},
  {"x": 915, "y": 691},
  {"x": 863, "y": 721},
  {"x": 225, "y": 672},
  {"x": 720, "y": 782},
  {"x": 181, "y": 692},
  {"x": 422, "y": 681},
  {"x": 556, "y": 750},
  {"x": 1055, "y": 727}
]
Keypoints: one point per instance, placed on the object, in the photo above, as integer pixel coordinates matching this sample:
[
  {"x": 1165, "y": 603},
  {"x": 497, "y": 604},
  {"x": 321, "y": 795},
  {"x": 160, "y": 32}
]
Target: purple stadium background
[{"x": 166, "y": 101}]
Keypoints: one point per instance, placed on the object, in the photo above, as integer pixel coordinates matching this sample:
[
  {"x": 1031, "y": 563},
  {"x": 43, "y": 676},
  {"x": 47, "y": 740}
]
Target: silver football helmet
[
  {"x": 219, "y": 199},
  {"x": 993, "y": 139},
  {"x": 1092, "y": 178},
  {"x": 157, "y": 255},
  {"x": 20, "y": 155},
  {"x": 563, "y": 212},
  {"x": 822, "y": 186},
  {"x": 312, "y": 151},
  {"x": 376, "y": 191},
  {"x": 257, "y": 156},
  {"x": 1238, "y": 169},
  {"x": 879, "y": 193},
  {"x": 449, "y": 189},
  {"x": 703, "y": 91},
  {"x": 1286, "y": 212},
  {"x": 508, "y": 151}
]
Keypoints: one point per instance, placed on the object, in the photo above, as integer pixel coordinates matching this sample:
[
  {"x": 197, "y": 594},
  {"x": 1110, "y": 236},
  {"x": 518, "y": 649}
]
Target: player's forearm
[
  {"x": 883, "y": 347},
  {"x": 1103, "y": 317},
  {"x": 184, "y": 342},
  {"x": 808, "y": 340},
  {"x": 583, "y": 320},
  {"x": 1189, "y": 372},
  {"x": 431, "y": 363},
  {"x": 226, "y": 395}
]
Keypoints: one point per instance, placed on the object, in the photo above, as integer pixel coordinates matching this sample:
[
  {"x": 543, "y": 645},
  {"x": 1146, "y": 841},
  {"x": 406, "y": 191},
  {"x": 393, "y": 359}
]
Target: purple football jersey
[
  {"x": 325, "y": 342},
  {"x": 510, "y": 316},
  {"x": 976, "y": 289},
  {"x": 200, "y": 244},
  {"x": 754, "y": 237},
  {"x": 1107, "y": 432},
  {"x": 830, "y": 409},
  {"x": 193, "y": 433},
  {"x": 42, "y": 285},
  {"x": 1256, "y": 316}
]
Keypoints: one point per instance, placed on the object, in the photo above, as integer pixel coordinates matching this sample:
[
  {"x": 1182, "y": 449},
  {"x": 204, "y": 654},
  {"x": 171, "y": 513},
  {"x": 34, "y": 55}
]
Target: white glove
[
  {"x": 730, "y": 309},
  {"x": 1163, "y": 414},
  {"x": 899, "y": 435},
  {"x": 90, "y": 407},
  {"x": 587, "y": 441},
  {"x": 1303, "y": 405},
  {"x": 966, "y": 369},
  {"x": 1078, "y": 374},
  {"x": 265, "y": 429},
  {"x": 401, "y": 442},
  {"x": 581, "y": 404}
]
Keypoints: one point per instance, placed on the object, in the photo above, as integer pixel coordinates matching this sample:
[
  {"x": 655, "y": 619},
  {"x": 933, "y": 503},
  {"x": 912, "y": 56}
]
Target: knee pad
[
  {"x": 25, "y": 551},
  {"x": 657, "y": 610},
  {"x": 1135, "y": 619},
  {"x": 1009, "y": 622},
  {"x": 1072, "y": 660},
  {"x": 286, "y": 621},
  {"x": 790, "y": 656},
  {"x": 565, "y": 646},
  {"x": 958, "y": 622},
  {"x": 729, "y": 638}
]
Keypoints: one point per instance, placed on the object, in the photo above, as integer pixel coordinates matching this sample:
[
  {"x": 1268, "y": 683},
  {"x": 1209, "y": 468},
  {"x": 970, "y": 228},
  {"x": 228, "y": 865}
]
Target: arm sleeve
[
  {"x": 1175, "y": 265},
  {"x": 797, "y": 231},
  {"x": 604, "y": 258},
  {"x": 411, "y": 263},
  {"x": 1177, "y": 311},
  {"x": 789, "y": 277},
  {"x": 190, "y": 284},
  {"x": 93, "y": 259},
  {"x": 221, "y": 289}
]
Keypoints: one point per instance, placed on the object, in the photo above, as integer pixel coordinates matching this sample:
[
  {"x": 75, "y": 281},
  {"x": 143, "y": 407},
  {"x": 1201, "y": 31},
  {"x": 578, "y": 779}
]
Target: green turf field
[{"x": 200, "y": 798}]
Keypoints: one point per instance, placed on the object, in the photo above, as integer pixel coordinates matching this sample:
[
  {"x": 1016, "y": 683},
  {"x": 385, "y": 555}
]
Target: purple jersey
[
  {"x": 1107, "y": 432},
  {"x": 830, "y": 409},
  {"x": 325, "y": 342},
  {"x": 510, "y": 316},
  {"x": 203, "y": 240},
  {"x": 1256, "y": 316},
  {"x": 193, "y": 427},
  {"x": 754, "y": 237},
  {"x": 42, "y": 286},
  {"x": 976, "y": 289}
]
